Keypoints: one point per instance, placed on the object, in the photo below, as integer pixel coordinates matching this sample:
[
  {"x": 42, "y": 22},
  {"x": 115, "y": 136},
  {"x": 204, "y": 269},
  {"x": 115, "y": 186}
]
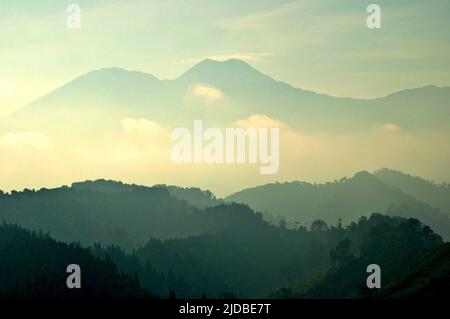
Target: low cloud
[
  {"x": 249, "y": 57},
  {"x": 259, "y": 121},
  {"x": 244, "y": 56},
  {"x": 141, "y": 125},
  {"x": 207, "y": 92},
  {"x": 389, "y": 127},
  {"x": 142, "y": 135}
]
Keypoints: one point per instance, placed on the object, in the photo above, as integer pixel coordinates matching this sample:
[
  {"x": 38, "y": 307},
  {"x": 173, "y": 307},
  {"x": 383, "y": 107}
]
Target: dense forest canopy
[{"x": 33, "y": 265}]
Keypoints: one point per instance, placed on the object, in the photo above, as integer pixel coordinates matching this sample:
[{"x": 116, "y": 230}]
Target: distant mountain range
[{"x": 100, "y": 98}]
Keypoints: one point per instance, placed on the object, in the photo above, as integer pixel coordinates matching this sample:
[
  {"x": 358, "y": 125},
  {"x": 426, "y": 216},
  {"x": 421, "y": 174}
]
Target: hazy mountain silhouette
[
  {"x": 346, "y": 199},
  {"x": 194, "y": 196},
  {"x": 424, "y": 190},
  {"x": 110, "y": 94},
  {"x": 113, "y": 213}
]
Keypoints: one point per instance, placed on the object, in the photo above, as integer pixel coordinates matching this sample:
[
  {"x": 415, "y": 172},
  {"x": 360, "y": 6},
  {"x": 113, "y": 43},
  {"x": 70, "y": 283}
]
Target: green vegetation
[
  {"x": 428, "y": 278},
  {"x": 34, "y": 266}
]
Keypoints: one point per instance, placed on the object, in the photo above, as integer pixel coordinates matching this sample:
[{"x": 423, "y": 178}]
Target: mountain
[
  {"x": 107, "y": 186},
  {"x": 346, "y": 199},
  {"x": 119, "y": 93},
  {"x": 194, "y": 196},
  {"x": 90, "y": 103},
  {"x": 34, "y": 266},
  {"x": 113, "y": 213},
  {"x": 424, "y": 190},
  {"x": 120, "y": 122}
]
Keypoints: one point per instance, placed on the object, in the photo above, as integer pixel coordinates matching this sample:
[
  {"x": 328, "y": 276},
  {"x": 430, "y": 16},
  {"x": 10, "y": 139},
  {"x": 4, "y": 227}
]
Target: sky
[
  {"x": 319, "y": 45},
  {"x": 323, "y": 46}
]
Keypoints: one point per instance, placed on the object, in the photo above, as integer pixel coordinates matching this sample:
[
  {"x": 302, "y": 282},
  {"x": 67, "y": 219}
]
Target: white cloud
[
  {"x": 143, "y": 135},
  {"x": 249, "y": 57},
  {"x": 259, "y": 121},
  {"x": 140, "y": 125},
  {"x": 208, "y": 92},
  {"x": 18, "y": 140},
  {"x": 245, "y": 56},
  {"x": 389, "y": 127}
]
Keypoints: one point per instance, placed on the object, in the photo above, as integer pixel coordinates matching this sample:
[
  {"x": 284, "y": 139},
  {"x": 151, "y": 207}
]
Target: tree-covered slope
[
  {"x": 119, "y": 214},
  {"x": 254, "y": 258},
  {"x": 427, "y": 278},
  {"x": 393, "y": 246},
  {"x": 346, "y": 199},
  {"x": 34, "y": 266},
  {"x": 437, "y": 195}
]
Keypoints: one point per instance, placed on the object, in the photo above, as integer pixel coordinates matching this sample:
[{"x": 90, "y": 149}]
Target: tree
[
  {"x": 319, "y": 225},
  {"x": 341, "y": 255}
]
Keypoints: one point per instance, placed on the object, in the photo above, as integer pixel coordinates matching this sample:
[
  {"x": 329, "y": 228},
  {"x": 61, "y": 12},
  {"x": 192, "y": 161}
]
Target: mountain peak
[
  {"x": 364, "y": 176},
  {"x": 210, "y": 70},
  {"x": 217, "y": 63}
]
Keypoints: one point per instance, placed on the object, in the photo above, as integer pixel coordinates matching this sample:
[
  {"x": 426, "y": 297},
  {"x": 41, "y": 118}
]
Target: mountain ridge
[{"x": 219, "y": 66}]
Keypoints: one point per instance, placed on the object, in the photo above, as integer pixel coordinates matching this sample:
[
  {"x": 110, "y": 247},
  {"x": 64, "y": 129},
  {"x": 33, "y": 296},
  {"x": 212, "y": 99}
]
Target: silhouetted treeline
[
  {"x": 33, "y": 265},
  {"x": 254, "y": 258},
  {"x": 392, "y": 243}
]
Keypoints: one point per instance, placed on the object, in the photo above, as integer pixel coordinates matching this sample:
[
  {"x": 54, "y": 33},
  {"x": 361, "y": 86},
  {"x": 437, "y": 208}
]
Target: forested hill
[
  {"x": 194, "y": 196},
  {"x": 400, "y": 249},
  {"x": 126, "y": 218},
  {"x": 254, "y": 258},
  {"x": 251, "y": 259},
  {"x": 437, "y": 195},
  {"x": 34, "y": 266},
  {"x": 348, "y": 199}
]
